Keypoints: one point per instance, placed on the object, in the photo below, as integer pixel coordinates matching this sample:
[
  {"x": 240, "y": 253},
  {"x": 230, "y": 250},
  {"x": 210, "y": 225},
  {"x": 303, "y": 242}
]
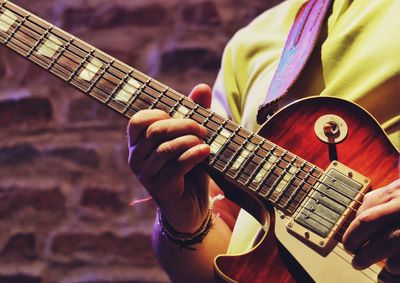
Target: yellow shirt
[{"x": 359, "y": 61}]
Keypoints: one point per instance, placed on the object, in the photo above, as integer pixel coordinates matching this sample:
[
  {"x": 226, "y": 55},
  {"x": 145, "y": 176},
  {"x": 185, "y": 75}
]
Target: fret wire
[
  {"x": 304, "y": 182},
  {"x": 311, "y": 187},
  {"x": 247, "y": 159},
  {"x": 280, "y": 177},
  {"x": 31, "y": 36},
  {"x": 120, "y": 84},
  {"x": 319, "y": 172},
  {"x": 100, "y": 75},
  {"x": 39, "y": 41},
  {"x": 314, "y": 177},
  {"x": 208, "y": 123},
  {"x": 207, "y": 119},
  {"x": 137, "y": 95},
  {"x": 271, "y": 189},
  {"x": 59, "y": 72},
  {"x": 85, "y": 60},
  {"x": 62, "y": 51},
  {"x": 171, "y": 101},
  {"x": 35, "y": 60},
  {"x": 222, "y": 146},
  {"x": 299, "y": 188},
  {"x": 178, "y": 103},
  {"x": 49, "y": 30},
  {"x": 16, "y": 28},
  {"x": 259, "y": 165},
  {"x": 283, "y": 192},
  {"x": 37, "y": 24},
  {"x": 267, "y": 194},
  {"x": 68, "y": 43},
  {"x": 266, "y": 159},
  {"x": 236, "y": 155},
  {"x": 192, "y": 108},
  {"x": 192, "y": 111},
  {"x": 154, "y": 104}
]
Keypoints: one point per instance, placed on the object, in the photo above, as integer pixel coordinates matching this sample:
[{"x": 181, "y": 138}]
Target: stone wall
[{"x": 64, "y": 181}]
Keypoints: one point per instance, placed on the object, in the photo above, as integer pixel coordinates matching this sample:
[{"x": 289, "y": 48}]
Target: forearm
[{"x": 187, "y": 265}]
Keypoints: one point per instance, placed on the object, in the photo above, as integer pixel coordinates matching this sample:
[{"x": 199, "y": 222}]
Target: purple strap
[{"x": 298, "y": 48}]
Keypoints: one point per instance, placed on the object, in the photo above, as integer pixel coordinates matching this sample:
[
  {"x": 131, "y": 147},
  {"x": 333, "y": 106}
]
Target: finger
[
  {"x": 140, "y": 121},
  {"x": 379, "y": 196},
  {"x": 166, "y": 152},
  {"x": 393, "y": 265},
  {"x": 168, "y": 184},
  {"x": 185, "y": 162},
  {"x": 372, "y": 199},
  {"x": 201, "y": 94},
  {"x": 369, "y": 222},
  {"x": 384, "y": 246},
  {"x": 160, "y": 132}
]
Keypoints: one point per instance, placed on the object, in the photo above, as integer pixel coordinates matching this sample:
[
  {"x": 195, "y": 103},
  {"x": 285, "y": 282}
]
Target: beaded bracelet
[{"x": 184, "y": 240}]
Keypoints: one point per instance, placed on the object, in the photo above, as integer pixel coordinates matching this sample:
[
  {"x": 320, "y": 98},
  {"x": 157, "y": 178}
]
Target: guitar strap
[{"x": 298, "y": 48}]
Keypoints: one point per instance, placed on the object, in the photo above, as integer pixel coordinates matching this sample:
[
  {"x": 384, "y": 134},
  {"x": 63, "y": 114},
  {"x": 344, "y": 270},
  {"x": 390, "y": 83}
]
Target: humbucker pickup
[{"x": 336, "y": 193}]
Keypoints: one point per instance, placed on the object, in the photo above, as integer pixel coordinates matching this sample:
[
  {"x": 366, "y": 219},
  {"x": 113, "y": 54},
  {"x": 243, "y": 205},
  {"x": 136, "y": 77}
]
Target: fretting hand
[{"x": 163, "y": 154}]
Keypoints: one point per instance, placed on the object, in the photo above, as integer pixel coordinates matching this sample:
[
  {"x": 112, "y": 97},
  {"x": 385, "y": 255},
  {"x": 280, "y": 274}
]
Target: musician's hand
[
  {"x": 374, "y": 234},
  {"x": 163, "y": 153}
]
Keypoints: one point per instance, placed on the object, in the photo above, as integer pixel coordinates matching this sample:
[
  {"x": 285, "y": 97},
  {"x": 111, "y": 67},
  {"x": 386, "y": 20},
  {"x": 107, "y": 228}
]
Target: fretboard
[{"x": 246, "y": 159}]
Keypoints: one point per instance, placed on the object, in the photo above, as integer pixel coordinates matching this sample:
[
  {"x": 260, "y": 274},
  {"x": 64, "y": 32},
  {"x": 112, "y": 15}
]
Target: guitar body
[{"x": 282, "y": 257}]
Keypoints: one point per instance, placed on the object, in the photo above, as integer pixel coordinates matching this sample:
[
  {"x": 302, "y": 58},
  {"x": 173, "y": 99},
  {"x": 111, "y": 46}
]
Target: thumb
[{"x": 201, "y": 94}]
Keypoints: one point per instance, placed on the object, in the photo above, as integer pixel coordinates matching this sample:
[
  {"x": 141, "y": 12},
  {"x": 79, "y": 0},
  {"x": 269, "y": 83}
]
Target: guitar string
[
  {"x": 300, "y": 206},
  {"x": 332, "y": 199},
  {"x": 317, "y": 190},
  {"x": 321, "y": 172},
  {"x": 240, "y": 145},
  {"x": 119, "y": 78},
  {"x": 264, "y": 140},
  {"x": 65, "y": 76},
  {"x": 283, "y": 168},
  {"x": 138, "y": 109}
]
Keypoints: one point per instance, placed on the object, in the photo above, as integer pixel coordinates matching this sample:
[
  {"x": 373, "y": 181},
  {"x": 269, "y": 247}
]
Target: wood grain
[{"x": 366, "y": 149}]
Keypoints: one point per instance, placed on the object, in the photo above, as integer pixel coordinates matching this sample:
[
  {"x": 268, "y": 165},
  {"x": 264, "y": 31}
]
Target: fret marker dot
[
  {"x": 180, "y": 112},
  {"x": 7, "y": 19},
  {"x": 225, "y": 133},
  {"x": 215, "y": 147},
  {"x": 128, "y": 91},
  {"x": 50, "y": 46},
  {"x": 239, "y": 160},
  {"x": 91, "y": 69},
  {"x": 250, "y": 146}
]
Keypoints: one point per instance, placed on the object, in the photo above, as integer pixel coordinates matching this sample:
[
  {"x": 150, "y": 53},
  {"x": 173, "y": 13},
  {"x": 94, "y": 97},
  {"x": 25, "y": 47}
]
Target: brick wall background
[{"x": 64, "y": 181}]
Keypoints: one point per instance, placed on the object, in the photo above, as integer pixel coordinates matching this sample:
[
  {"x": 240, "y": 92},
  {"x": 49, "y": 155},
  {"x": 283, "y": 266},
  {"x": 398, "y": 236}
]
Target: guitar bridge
[{"x": 336, "y": 194}]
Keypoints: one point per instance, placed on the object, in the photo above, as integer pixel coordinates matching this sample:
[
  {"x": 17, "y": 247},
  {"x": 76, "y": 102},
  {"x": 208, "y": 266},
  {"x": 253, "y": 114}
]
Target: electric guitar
[{"x": 305, "y": 171}]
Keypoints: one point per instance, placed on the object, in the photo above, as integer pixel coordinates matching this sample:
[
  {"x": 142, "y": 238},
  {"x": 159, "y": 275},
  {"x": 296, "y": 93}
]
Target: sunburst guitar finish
[{"x": 281, "y": 256}]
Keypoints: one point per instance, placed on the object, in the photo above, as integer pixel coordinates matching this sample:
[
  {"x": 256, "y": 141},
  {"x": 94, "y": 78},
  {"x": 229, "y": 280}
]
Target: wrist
[{"x": 184, "y": 239}]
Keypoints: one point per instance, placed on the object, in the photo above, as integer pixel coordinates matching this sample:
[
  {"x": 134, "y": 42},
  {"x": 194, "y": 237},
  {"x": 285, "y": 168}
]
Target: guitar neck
[{"x": 246, "y": 159}]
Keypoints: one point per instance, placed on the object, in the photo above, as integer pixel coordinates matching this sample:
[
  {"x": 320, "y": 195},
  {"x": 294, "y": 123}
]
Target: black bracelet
[{"x": 185, "y": 240}]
